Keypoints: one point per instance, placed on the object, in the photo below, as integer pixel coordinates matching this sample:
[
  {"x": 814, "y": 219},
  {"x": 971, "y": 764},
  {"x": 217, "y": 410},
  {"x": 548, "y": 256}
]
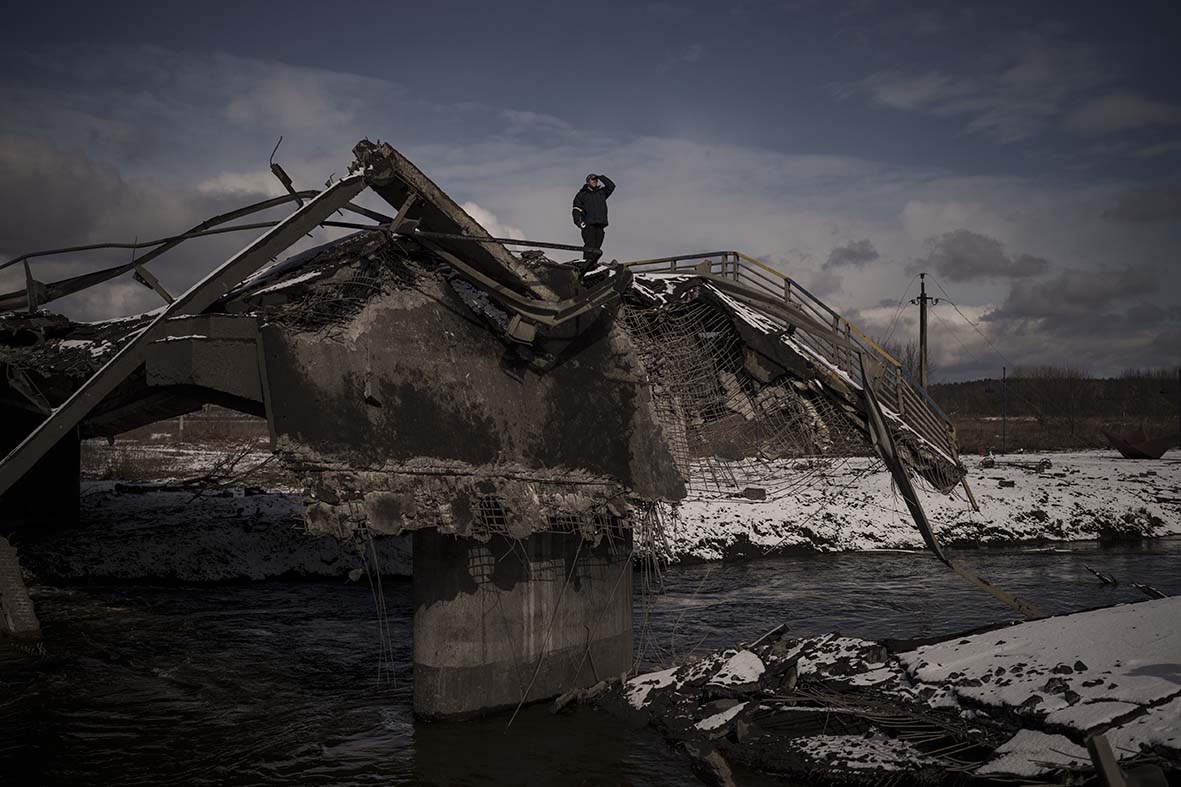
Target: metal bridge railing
[{"x": 894, "y": 387}]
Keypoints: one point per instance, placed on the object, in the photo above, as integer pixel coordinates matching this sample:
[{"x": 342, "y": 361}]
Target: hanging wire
[
  {"x": 548, "y": 632},
  {"x": 975, "y": 327},
  {"x": 1015, "y": 390},
  {"x": 899, "y": 309},
  {"x": 952, "y": 332}
]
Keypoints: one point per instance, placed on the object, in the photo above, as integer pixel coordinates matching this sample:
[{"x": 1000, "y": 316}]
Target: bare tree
[
  {"x": 907, "y": 353},
  {"x": 1064, "y": 394}
]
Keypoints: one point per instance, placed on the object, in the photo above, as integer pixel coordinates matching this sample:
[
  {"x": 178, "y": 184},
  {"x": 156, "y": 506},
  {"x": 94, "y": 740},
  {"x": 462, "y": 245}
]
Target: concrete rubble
[
  {"x": 1015, "y": 702},
  {"x": 16, "y": 607}
]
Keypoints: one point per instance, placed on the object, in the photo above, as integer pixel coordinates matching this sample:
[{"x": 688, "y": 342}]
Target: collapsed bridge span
[{"x": 528, "y": 423}]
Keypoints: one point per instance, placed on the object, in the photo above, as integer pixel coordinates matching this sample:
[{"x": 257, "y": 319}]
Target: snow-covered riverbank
[
  {"x": 844, "y": 506},
  {"x": 141, "y": 532}
]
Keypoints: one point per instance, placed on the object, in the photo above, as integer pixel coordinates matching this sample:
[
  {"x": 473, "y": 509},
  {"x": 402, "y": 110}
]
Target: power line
[
  {"x": 952, "y": 332},
  {"x": 975, "y": 327},
  {"x": 1036, "y": 407},
  {"x": 898, "y": 310},
  {"x": 1014, "y": 390}
]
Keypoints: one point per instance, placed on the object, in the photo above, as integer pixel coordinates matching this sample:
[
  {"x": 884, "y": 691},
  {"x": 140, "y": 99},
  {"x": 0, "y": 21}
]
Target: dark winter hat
[{"x": 592, "y": 176}]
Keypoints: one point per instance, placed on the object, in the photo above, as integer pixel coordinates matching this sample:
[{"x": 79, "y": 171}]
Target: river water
[{"x": 279, "y": 682}]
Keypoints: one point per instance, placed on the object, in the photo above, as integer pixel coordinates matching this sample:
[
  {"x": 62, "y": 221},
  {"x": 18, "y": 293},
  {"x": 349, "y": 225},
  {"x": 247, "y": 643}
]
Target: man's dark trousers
[{"x": 592, "y": 237}]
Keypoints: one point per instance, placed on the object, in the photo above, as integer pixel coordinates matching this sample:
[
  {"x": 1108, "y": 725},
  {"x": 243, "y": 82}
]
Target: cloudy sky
[{"x": 1026, "y": 155}]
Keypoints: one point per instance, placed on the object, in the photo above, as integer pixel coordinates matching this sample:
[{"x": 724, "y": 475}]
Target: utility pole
[
  {"x": 1004, "y": 406},
  {"x": 922, "y": 302}
]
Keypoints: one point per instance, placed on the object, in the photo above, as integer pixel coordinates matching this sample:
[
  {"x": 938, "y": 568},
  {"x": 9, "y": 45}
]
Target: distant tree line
[
  {"x": 1050, "y": 407},
  {"x": 1068, "y": 394}
]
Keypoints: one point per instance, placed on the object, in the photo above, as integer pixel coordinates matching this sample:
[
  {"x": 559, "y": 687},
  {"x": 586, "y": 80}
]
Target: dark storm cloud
[
  {"x": 1083, "y": 301},
  {"x": 1147, "y": 314},
  {"x": 55, "y": 197},
  {"x": 1146, "y": 204},
  {"x": 856, "y": 254},
  {"x": 824, "y": 283},
  {"x": 169, "y": 113},
  {"x": 1168, "y": 344},
  {"x": 51, "y": 198},
  {"x": 963, "y": 255}
]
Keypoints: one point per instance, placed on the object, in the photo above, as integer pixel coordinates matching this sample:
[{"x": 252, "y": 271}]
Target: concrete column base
[
  {"x": 16, "y": 608},
  {"x": 486, "y": 615}
]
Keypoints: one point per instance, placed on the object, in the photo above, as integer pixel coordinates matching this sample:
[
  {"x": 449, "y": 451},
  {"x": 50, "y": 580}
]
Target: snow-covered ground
[
  {"x": 161, "y": 460},
  {"x": 843, "y": 506},
  {"x": 846, "y": 504},
  {"x": 1115, "y": 670},
  {"x": 1016, "y": 701}
]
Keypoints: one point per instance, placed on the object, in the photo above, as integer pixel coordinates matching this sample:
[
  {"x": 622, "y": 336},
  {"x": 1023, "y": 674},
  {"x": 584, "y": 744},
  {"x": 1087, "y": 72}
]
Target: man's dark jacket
[{"x": 590, "y": 205}]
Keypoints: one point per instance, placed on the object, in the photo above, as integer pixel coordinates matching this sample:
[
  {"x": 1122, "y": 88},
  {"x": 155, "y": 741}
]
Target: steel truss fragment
[
  {"x": 883, "y": 443},
  {"x": 198, "y": 298},
  {"x": 38, "y": 293}
]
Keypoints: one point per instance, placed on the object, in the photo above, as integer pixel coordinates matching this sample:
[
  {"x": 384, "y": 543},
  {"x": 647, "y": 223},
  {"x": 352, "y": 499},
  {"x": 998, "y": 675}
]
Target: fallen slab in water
[
  {"x": 1111, "y": 670},
  {"x": 1016, "y": 701}
]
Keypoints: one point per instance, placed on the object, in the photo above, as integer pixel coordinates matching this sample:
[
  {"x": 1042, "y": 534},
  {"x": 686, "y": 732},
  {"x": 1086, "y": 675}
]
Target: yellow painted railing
[
  {"x": 787, "y": 279},
  {"x": 729, "y": 263},
  {"x": 910, "y": 400}
]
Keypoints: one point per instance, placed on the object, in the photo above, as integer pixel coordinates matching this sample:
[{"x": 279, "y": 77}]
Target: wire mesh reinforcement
[
  {"x": 327, "y": 307},
  {"x": 725, "y": 428},
  {"x": 353, "y": 275}
]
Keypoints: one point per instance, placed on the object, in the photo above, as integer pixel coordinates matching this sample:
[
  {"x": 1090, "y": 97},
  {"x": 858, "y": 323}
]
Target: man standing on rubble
[{"x": 590, "y": 213}]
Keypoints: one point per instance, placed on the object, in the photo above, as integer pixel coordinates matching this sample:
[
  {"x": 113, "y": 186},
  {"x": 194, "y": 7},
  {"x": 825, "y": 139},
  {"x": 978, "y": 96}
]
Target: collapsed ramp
[{"x": 750, "y": 369}]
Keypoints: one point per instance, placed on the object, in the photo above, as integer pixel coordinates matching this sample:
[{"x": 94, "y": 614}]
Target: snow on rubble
[
  {"x": 1080, "y": 672},
  {"x": 1030, "y": 753},
  {"x": 994, "y": 704},
  {"x": 851, "y": 504},
  {"x": 742, "y": 668}
]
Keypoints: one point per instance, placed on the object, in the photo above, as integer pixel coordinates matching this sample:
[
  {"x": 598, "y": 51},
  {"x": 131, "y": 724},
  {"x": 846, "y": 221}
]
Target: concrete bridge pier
[{"x": 508, "y": 620}]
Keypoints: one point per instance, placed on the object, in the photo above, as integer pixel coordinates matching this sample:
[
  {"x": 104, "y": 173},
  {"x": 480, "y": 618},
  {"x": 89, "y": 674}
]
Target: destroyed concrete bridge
[{"x": 528, "y": 422}]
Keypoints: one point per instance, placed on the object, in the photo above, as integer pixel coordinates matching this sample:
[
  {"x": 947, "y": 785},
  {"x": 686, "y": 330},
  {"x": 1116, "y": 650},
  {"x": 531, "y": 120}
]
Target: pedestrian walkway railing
[{"x": 893, "y": 387}]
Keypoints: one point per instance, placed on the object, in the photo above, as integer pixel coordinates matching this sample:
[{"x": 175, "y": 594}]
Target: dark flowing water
[{"x": 278, "y": 683}]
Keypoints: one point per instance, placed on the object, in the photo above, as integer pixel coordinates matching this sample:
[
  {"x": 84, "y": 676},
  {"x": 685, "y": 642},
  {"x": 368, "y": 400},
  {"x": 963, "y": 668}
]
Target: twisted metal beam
[
  {"x": 12, "y": 301},
  {"x": 198, "y": 298}
]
